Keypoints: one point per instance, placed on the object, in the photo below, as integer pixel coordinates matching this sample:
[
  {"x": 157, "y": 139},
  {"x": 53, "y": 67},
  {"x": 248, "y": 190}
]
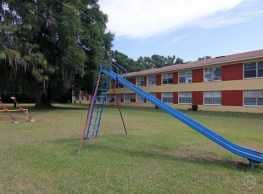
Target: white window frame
[
  {"x": 185, "y": 73},
  {"x": 99, "y": 99},
  {"x": 155, "y": 78},
  {"x": 260, "y": 62},
  {"x": 139, "y": 99},
  {"x": 140, "y": 80},
  {"x": 179, "y": 96},
  {"x": 168, "y": 75},
  {"x": 257, "y": 70},
  {"x": 126, "y": 101},
  {"x": 169, "y": 95},
  {"x": 211, "y": 67},
  {"x": 213, "y": 92},
  {"x": 244, "y": 96}
]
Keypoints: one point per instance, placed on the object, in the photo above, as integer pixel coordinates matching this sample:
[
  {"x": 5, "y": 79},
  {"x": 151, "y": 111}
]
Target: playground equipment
[
  {"x": 97, "y": 103},
  {"x": 254, "y": 157},
  {"x": 18, "y": 109}
]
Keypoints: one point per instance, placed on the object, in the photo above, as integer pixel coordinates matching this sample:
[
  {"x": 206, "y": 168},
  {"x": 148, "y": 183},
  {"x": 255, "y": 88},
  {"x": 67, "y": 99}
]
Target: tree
[
  {"x": 124, "y": 60},
  {"x": 50, "y": 42},
  {"x": 155, "y": 61}
]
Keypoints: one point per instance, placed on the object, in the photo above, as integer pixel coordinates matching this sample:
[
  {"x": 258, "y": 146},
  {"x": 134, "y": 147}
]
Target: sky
[{"x": 186, "y": 28}]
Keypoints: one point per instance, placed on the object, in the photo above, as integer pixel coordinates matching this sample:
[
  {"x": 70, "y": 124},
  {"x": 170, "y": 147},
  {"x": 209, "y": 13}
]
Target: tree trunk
[{"x": 43, "y": 100}]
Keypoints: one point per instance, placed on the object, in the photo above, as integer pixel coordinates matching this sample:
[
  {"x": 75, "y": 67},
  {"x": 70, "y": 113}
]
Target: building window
[
  {"x": 111, "y": 99},
  {"x": 119, "y": 85},
  {"x": 140, "y": 81},
  {"x": 253, "y": 70},
  {"x": 212, "y": 73},
  {"x": 129, "y": 98},
  {"x": 167, "y": 78},
  {"x": 153, "y": 94},
  {"x": 250, "y": 70},
  {"x": 185, "y": 76},
  {"x": 167, "y": 97},
  {"x": 139, "y": 99},
  {"x": 212, "y": 98},
  {"x": 99, "y": 99},
  {"x": 260, "y": 69},
  {"x": 253, "y": 98},
  {"x": 119, "y": 98},
  {"x": 185, "y": 98},
  {"x": 151, "y": 80}
]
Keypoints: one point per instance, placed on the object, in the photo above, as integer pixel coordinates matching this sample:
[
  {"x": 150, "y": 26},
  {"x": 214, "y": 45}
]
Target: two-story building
[{"x": 225, "y": 83}]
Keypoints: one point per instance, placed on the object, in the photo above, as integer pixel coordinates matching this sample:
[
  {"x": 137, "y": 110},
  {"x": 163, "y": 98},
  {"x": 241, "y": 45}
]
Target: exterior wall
[
  {"x": 197, "y": 97},
  {"x": 175, "y": 78},
  {"x": 175, "y": 97},
  {"x": 132, "y": 80},
  {"x": 232, "y": 98},
  {"x": 205, "y": 108},
  {"x": 158, "y": 79},
  {"x": 247, "y": 84},
  {"x": 232, "y": 72},
  {"x": 145, "y": 80},
  {"x": 198, "y": 75},
  {"x": 223, "y": 108},
  {"x": 159, "y": 95},
  {"x": 231, "y": 87}
]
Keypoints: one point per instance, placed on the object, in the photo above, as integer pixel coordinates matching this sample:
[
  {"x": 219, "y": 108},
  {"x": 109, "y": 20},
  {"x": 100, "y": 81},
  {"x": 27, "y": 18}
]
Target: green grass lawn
[{"x": 160, "y": 155}]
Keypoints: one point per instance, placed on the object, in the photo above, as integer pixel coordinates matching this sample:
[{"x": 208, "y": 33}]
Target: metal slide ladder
[
  {"x": 253, "y": 156},
  {"x": 98, "y": 102}
]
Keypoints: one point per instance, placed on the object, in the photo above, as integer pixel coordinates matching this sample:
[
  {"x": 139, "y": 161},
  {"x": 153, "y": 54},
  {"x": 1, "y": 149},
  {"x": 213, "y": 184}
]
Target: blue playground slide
[{"x": 253, "y": 156}]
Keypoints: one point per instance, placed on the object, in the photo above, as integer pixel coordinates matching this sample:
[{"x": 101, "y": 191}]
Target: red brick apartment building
[{"x": 226, "y": 83}]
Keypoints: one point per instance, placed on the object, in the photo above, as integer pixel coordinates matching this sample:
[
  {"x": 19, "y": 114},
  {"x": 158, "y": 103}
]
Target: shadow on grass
[
  {"x": 193, "y": 158},
  {"x": 57, "y": 107}
]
